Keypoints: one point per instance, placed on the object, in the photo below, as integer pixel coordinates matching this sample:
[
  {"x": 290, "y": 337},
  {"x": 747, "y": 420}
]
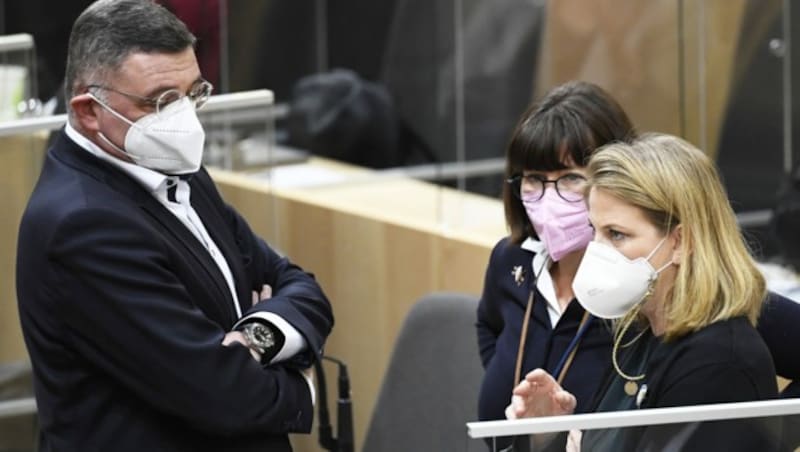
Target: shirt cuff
[
  {"x": 294, "y": 343},
  {"x": 310, "y": 382}
]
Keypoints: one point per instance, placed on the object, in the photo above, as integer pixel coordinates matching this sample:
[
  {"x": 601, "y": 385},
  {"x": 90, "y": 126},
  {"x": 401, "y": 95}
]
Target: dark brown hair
[
  {"x": 564, "y": 127},
  {"x": 109, "y": 31}
]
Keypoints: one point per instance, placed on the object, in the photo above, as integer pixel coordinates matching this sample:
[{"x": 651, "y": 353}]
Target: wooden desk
[{"x": 376, "y": 246}]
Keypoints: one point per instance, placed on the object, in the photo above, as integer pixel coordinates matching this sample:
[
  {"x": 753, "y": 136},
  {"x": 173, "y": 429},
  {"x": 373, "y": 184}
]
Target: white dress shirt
[{"x": 545, "y": 282}]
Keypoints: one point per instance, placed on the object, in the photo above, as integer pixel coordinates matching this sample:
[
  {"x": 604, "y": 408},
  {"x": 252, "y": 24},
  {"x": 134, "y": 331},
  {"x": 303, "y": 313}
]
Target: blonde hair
[{"x": 675, "y": 183}]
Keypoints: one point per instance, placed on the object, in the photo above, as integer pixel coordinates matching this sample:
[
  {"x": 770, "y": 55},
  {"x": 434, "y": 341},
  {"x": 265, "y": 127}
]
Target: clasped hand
[{"x": 539, "y": 394}]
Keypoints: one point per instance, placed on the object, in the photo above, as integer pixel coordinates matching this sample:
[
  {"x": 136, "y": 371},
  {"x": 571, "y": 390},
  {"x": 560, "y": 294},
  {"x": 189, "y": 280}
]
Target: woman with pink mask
[
  {"x": 528, "y": 285},
  {"x": 528, "y": 316}
]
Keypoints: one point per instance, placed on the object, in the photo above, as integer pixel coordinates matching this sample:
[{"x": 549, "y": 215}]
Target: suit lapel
[
  {"x": 219, "y": 299},
  {"x": 205, "y": 208},
  {"x": 174, "y": 227}
]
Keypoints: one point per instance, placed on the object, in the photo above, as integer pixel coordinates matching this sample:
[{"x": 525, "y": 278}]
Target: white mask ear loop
[
  {"x": 654, "y": 252},
  {"x": 111, "y": 110},
  {"x": 103, "y": 136},
  {"x": 663, "y": 267},
  {"x": 117, "y": 148}
]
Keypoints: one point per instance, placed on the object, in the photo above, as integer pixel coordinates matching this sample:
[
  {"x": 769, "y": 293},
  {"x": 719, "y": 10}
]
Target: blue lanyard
[{"x": 572, "y": 346}]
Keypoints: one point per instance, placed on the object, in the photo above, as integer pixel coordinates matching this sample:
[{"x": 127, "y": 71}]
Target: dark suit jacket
[{"x": 124, "y": 311}]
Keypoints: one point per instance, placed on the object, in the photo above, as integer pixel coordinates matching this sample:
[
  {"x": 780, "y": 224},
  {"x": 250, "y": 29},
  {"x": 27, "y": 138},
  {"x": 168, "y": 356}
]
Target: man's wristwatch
[{"x": 267, "y": 340}]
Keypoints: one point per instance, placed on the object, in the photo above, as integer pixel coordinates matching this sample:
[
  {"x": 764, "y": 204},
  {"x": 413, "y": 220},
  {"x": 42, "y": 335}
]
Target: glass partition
[
  {"x": 440, "y": 85},
  {"x": 385, "y": 99}
]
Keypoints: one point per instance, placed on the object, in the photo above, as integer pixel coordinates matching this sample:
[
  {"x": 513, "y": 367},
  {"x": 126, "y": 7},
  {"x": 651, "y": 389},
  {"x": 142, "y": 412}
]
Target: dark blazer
[
  {"x": 123, "y": 312},
  {"x": 726, "y": 361},
  {"x": 500, "y": 315}
]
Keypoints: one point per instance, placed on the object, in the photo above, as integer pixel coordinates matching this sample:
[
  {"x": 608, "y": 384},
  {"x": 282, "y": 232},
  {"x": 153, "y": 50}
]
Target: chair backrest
[{"x": 430, "y": 389}]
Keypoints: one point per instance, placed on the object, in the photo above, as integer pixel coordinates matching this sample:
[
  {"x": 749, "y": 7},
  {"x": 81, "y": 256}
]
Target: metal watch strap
[{"x": 264, "y": 338}]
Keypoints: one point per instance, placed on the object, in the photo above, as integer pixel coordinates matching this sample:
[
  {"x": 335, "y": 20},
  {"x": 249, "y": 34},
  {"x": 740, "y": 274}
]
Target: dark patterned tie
[{"x": 172, "y": 187}]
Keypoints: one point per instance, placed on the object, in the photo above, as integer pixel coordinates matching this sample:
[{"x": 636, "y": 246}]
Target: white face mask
[
  {"x": 608, "y": 284},
  {"x": 170, "y": 142}
]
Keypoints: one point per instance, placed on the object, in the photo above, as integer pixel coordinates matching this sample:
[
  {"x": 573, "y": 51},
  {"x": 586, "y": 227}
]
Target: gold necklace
[{"x": 631, "y": 386}]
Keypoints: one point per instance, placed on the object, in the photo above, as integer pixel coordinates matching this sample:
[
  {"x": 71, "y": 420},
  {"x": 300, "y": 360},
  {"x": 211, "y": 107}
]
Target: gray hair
[{"x": 108, "y": 31}]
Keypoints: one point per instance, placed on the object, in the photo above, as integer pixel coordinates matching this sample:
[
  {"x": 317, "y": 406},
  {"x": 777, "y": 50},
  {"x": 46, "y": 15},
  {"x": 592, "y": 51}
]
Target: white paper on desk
[{"x": 289, "y": 176}]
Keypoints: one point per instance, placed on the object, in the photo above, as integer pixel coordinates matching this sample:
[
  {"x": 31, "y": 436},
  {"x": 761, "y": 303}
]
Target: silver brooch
[{"x": 519, "y": 274}]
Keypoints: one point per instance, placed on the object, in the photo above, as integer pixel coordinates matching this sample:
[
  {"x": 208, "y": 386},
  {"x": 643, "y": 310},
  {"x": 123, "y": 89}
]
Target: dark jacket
[
  {"x": 500, "y": 315},
  {"x": 724, "y": 362},
  {"x": 123, "y": 312}
]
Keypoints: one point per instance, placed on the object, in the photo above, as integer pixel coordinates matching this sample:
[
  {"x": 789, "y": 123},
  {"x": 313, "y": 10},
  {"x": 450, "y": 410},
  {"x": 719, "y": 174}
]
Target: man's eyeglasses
[
  {"x": 570, "y": 187},
  {"x": 198, "y": 95}
]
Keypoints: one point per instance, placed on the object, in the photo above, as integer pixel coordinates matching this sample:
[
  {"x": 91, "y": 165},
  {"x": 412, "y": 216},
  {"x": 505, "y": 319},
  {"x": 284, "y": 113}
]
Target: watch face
[{"x": 263, "y": 336}]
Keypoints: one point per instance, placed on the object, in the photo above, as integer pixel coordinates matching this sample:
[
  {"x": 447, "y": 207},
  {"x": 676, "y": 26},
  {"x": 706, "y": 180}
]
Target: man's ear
[
  {"x": 677, "y": 239},
  {"x": 84, "y": 110}
]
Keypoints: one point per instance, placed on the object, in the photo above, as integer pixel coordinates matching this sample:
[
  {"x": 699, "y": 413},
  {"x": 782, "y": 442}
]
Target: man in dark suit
[{"x": 136, "y": 281}]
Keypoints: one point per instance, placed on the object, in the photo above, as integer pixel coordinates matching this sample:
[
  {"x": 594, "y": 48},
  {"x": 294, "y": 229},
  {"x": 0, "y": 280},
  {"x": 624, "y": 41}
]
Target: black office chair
[{"x": 430, "y": 389}]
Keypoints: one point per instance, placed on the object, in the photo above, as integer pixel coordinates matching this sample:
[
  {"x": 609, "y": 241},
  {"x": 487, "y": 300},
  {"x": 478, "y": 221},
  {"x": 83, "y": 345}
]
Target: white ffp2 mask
[
  {"x": 608, "y": 284},
  {"x": 170, "y": 142}
]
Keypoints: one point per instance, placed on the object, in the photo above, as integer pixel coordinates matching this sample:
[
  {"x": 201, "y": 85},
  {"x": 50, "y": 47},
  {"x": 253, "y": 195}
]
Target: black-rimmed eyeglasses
[
  {"x": 570, "y": 187},
  {"x": 198, "y": 95}
]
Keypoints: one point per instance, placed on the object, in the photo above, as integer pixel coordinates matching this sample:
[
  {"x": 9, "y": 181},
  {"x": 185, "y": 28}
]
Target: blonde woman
[{"x": 669, "y": 261}]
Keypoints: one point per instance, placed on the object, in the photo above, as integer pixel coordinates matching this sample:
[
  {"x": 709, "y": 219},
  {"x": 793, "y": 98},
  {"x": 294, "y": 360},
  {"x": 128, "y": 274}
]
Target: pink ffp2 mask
[{"x": 561, "y": 225}]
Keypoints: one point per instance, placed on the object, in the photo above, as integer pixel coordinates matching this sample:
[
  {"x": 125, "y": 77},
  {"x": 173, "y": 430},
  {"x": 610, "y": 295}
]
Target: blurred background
[{"x": 402, "y": 82}]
